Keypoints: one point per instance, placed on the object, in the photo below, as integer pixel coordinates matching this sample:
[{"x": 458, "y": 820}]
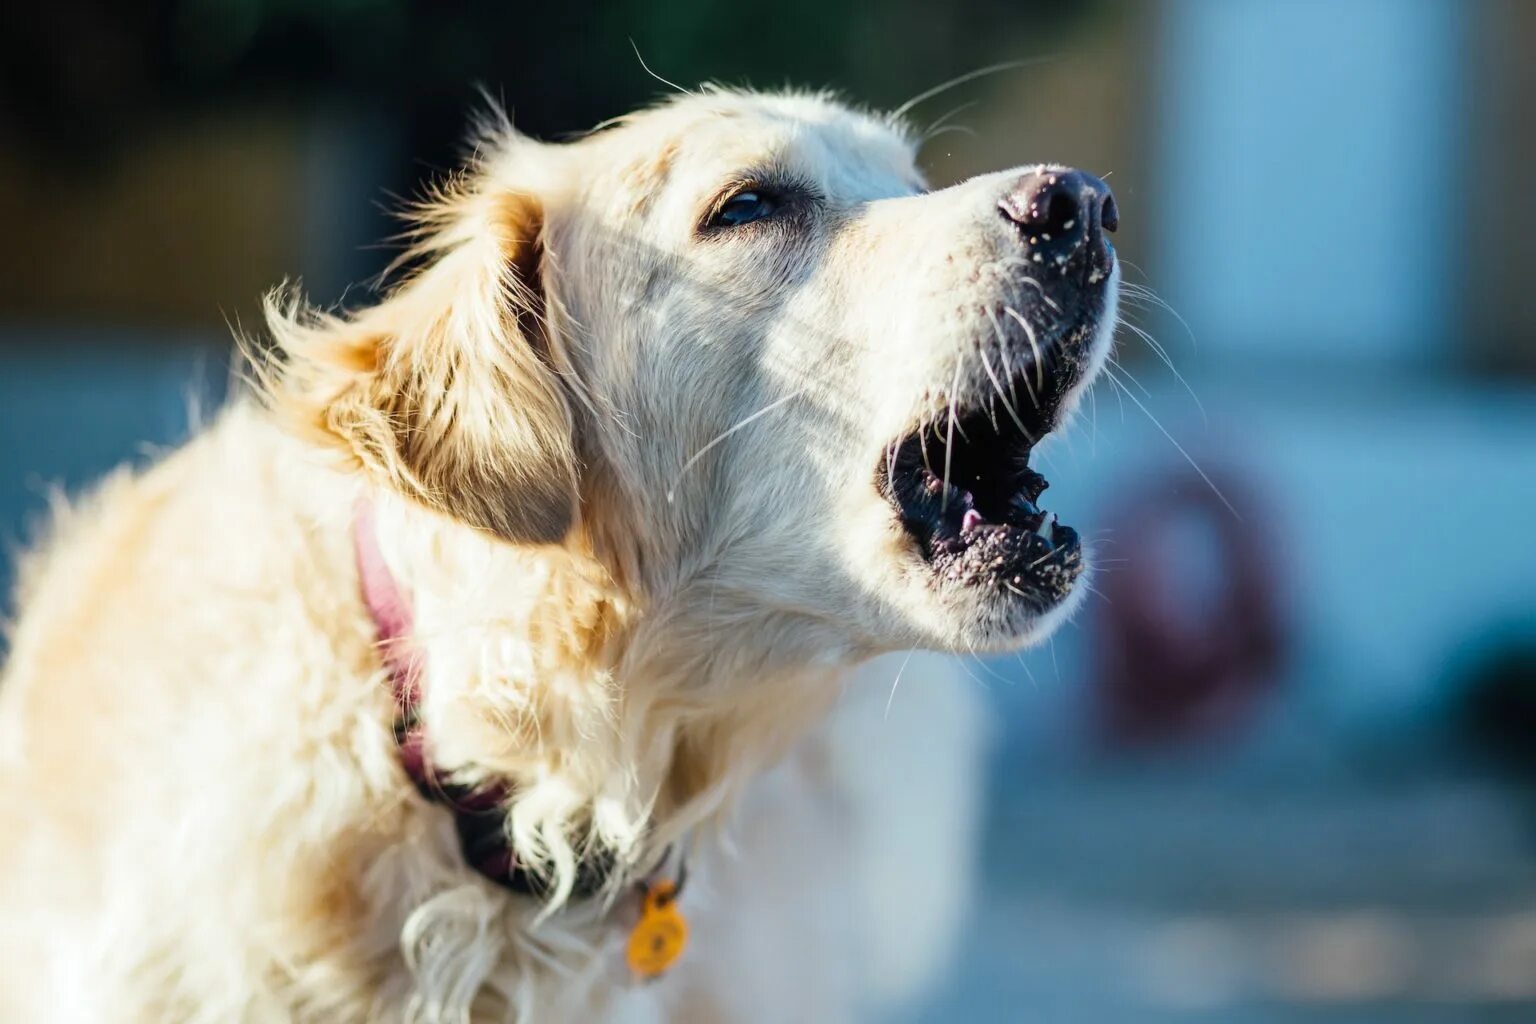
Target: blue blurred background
[{"x": 1281, "y": 767}]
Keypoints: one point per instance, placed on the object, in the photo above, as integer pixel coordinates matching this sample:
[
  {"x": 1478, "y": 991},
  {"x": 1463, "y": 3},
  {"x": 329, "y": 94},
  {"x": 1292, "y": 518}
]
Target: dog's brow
[{"x": 647, "y": 175}]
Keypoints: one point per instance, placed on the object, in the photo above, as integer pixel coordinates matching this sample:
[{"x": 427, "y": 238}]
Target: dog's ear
[{"x": 450, "y": 391}]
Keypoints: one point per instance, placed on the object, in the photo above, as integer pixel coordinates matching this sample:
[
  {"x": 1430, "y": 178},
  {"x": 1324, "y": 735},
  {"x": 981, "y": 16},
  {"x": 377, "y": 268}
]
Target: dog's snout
[{"x": 1061, "y": 211}]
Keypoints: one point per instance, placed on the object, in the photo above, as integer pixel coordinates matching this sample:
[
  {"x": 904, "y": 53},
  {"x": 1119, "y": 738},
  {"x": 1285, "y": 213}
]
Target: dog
[{"x": 483, "y": 663}]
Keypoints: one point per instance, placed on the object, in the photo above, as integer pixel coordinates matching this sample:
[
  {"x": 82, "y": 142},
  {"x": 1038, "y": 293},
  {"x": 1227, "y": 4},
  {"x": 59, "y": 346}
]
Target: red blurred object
[{"x": 1189, "y": 636}]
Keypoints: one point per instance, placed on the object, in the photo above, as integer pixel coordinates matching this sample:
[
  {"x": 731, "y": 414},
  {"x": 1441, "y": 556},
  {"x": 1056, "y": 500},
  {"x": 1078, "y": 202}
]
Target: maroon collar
[{"x": 479, "y": 813}]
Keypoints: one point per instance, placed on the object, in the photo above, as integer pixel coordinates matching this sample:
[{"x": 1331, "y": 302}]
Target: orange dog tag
[{"x": 660, "y": 934}]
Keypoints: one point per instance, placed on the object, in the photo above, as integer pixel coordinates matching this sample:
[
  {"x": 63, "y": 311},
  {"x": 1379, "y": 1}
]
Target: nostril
[
  {"x": 1045, "y": 204},
  {"x": 1062, "y": 212}
]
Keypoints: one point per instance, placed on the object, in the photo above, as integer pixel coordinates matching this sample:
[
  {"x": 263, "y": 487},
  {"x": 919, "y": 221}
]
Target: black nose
[{"x": 1062, "y": 211}]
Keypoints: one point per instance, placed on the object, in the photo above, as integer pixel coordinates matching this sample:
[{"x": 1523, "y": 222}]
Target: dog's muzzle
[{"x": 960, "y": 480}]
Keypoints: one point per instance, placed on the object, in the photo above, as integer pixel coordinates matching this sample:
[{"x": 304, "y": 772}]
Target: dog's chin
[{"x": 987, "y": 623}]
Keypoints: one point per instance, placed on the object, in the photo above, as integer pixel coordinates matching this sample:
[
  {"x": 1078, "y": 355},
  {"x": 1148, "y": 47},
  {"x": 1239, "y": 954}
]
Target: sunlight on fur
[{"x": 641, "y": 428}]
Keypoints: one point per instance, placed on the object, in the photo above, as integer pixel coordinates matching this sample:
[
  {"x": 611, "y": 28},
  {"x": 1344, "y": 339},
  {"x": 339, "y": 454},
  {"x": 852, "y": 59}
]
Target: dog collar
[{"x": 479, "y": 813}]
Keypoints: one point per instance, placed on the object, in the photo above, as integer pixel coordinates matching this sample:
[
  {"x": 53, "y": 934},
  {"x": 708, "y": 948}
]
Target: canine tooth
[{"x": 970, "y": 520}]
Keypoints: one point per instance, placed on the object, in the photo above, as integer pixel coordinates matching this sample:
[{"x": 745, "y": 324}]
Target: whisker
[
  {"x": 1173, "y": 441},
  {"x": 997, "y": 327},
  {"x": 1019, "y": 657},
  {"x": 1005, "y": 353},
  {"x": 997, "y": 385},
  {"x": 1147, "y": 294},
  {"x": 1121, "y": 367},
  {"x": 1093, "y": 409},
  {"x": 1042, "y": 558},
  {"x": 1055, "y": 307},
  {"x": 939, "y": 122},
  {"x": 1029, "y": 332},
  {"x": 765, "y": 410},
  {"x": 974, "y": 678},
  {"x": 988, "y": 669},
  {"x": 965, "y": 129},
  {"x": 653, "y": 74},
  {"x": 949, "y": 441},
  {"x": 1168, "y": 362},
  {"x": 969, "y": 76},
  {"x": 922, "y": 436},
  {"x": 1121, "y": 403},
  {"x": 897, "y": 682}
]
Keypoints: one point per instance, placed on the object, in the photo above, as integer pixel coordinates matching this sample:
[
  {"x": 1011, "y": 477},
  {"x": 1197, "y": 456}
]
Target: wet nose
[{"x": 1061, "y": 211}]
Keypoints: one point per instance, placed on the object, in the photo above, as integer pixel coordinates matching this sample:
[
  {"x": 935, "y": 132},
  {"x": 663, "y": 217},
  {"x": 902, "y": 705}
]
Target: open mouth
[{"x": 965, "y": 492}]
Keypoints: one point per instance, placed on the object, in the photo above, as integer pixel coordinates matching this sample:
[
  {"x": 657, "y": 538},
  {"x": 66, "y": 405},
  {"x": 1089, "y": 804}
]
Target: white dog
[{"x": 415, "y": 690}]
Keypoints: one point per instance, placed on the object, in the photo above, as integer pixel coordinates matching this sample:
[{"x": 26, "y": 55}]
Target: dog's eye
[{"x": 744, "y": 208}]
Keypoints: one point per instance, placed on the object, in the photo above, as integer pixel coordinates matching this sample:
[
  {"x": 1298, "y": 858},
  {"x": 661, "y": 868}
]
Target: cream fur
[{"x": 623, "y": 473}]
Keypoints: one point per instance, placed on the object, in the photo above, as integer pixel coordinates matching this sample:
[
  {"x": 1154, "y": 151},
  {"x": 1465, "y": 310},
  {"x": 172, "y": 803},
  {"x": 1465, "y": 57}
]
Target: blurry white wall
[{"x": 1311, "y": 203}]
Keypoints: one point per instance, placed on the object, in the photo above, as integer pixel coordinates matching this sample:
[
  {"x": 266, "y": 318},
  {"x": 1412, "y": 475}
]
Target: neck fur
[{"x": 619, "y": 725}]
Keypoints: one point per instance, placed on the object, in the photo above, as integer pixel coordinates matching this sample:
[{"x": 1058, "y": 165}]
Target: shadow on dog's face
[
  {"x": 767, "y": 374},
  {"x": 815, "y": 385}
]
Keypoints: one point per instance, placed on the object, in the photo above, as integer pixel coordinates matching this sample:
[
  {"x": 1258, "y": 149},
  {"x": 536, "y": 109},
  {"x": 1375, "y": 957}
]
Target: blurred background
[{"x": 1282, "y": 767}]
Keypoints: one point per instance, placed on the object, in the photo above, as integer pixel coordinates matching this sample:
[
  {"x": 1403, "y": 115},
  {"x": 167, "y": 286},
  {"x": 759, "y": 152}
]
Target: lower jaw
[{"x": 1020, "y": 566}]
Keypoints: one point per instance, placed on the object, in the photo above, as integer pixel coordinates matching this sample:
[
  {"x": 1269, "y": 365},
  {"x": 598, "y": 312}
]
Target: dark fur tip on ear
[
  {"x": 549, "y": 523},
  {"x": 519, "y": 508}
]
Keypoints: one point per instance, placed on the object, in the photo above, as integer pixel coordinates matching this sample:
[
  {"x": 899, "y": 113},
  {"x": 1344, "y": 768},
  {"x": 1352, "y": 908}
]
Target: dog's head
[{"x": 737, "y": 347}]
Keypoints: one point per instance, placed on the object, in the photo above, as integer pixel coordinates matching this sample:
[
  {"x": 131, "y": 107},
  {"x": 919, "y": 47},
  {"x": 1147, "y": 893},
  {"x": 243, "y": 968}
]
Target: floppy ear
[{"x": 449, "y": 390}]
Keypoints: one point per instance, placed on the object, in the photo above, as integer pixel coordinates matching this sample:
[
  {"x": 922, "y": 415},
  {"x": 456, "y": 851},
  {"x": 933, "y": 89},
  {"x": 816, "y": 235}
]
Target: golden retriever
[{"x": 415, "y": 686}]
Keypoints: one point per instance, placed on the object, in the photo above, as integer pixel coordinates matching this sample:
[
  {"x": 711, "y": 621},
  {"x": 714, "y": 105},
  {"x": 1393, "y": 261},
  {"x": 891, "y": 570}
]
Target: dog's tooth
[{"x": 970, "y": 520}]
